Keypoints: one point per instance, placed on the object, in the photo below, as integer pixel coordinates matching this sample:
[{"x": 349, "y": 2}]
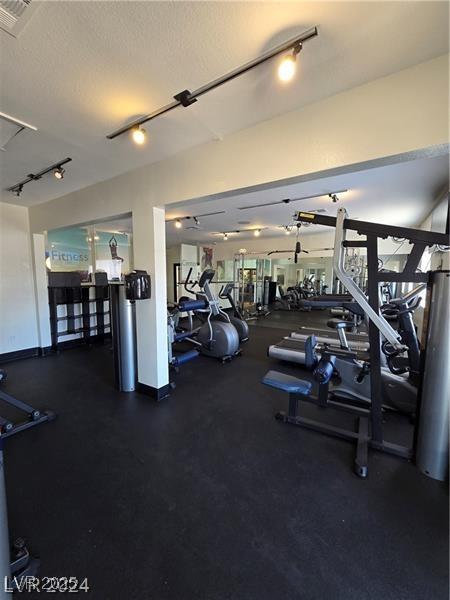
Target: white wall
[
  {"x": 18, "y": 325},
  {"x": 402, "y": 113},
  {"x": 436, "y": 221}
]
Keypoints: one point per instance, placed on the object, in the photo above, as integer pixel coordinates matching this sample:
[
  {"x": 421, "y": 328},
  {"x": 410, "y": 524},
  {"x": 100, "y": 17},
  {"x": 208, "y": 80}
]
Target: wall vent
[
  {"x": 10, "y": 127},
  {"x": 14, "y": 14}
]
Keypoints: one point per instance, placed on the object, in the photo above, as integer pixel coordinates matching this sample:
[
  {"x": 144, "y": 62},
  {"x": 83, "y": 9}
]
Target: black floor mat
[{"x": 205, "y": 496}]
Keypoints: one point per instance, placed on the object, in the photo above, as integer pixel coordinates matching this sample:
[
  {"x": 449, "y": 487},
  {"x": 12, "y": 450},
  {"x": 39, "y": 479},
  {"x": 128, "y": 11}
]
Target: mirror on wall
[{"x": 287, "y": 273}]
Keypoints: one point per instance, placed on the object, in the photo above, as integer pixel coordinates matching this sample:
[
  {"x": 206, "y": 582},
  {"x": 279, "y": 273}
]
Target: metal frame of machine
[{"x": 373, "y": 436}]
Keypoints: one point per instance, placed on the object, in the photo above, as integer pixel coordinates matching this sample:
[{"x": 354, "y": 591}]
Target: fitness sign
[{"x": 72, "y": 258}]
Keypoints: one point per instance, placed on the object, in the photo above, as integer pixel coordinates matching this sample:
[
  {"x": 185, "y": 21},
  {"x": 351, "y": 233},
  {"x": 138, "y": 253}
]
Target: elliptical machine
[
  {"x": 217, "y": 337},
  {"x": 236, "y": 318}
]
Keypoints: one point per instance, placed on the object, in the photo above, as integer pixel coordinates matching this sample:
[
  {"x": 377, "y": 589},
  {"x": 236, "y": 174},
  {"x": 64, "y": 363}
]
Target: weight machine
[
  {"x": 252, "y": 285},
  {"x": 369, "y": 433},
  {"x": 9, "y": 427}
]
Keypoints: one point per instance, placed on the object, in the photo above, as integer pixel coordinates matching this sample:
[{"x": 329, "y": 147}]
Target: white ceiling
[
  {"x": 79, "y": 70},
  {"x": 401, "y": 194}
]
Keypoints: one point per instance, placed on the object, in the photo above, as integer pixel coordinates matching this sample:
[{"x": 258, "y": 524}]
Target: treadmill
[
  {"x": 292, "y": 348},
  {"x": 344, "y": 301}
]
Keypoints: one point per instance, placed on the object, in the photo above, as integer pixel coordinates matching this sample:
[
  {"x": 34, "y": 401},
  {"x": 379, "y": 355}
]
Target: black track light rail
[
  {"x": 186, "y": 98},
  {"x": 289, "y": 200},
  {"x": 35, "y": 176},
  {"x": 195, "y": 217}
]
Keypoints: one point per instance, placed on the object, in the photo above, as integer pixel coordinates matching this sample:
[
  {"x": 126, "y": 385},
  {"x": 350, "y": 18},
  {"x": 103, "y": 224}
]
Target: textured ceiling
[
  {"x": 401, "y": 194},
  {"x": 79, "y": 70}
]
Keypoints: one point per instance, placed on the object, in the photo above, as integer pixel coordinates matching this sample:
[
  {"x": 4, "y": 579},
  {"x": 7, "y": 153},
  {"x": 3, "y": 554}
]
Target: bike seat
[{"x": 338, "y": 324}]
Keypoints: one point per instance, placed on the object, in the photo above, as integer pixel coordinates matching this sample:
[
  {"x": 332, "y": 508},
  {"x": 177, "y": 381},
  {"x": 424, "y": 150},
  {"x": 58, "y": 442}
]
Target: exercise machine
[
  {"x": 369, "y": 432},
  {"x": 400, "y": 373},
  {"x": 216, "y": 337},
  {"x": 9, "y": 427},
  {"x": 292, "y": 348},
  {"x": 16, "y": 563},
  {"x": 236, "y": 316},
  {"x": 176, "y": 334}
]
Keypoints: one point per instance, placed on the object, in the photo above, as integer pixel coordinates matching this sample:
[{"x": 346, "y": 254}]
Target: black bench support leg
[
  {"x": 362, "y": 448},
  {"x": 293, "y": 405}
]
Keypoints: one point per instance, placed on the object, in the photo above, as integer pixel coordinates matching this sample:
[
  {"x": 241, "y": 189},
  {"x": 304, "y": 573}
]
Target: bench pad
[{"x": 287, "y": 383}]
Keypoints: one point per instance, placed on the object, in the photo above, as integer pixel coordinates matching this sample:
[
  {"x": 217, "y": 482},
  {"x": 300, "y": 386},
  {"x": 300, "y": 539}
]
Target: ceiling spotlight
[
  {"x": 333, "y": 197},
  {"x": 225, "y": 237},
  {"x": 257, "y": 232},
  {"x": 56, "y": 169},
  {"x": 178, "y": 224},
  {"x": 287, "y": 230},
  {"x": 287, "y": 67},
  {"x": 196, "y": 221},
  {"x": 139, "y": 135}
]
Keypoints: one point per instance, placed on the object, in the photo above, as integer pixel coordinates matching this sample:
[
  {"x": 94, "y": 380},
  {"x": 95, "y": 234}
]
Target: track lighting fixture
[
  {"x": 287, "y": 67},
  {"x": 57, "y": 170},
  {"x": 225, "y": 237},
  {"x": 333, "y": 197},
  {"x": 139, "y": 135},
  {"x": 185, "y": 98},
  {"x": 257, "y": 232},
  {"x": 289, "y": 200},
  {"x": 178, "y": 221},
  {"x": 287, "y": 230}
]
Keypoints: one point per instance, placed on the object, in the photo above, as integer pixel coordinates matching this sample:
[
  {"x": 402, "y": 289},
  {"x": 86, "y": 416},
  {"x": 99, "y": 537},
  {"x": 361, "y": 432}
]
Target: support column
[
  {"x": 149, "y": 249},
  {"x": 41, "y": 292}
]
